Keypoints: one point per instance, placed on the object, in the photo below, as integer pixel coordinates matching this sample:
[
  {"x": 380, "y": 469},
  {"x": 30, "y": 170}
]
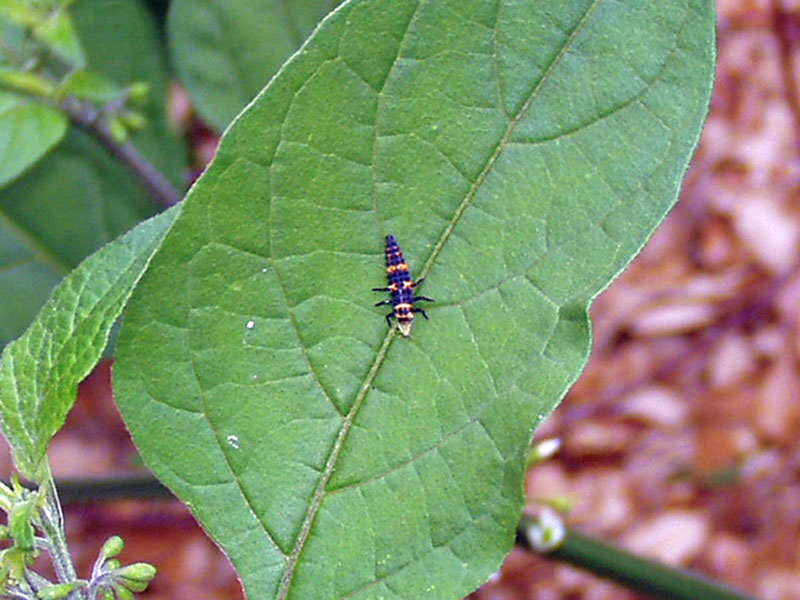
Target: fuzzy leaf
[
  {"x": 522, "y": 152},
  {"x": 40, "y": 371}
]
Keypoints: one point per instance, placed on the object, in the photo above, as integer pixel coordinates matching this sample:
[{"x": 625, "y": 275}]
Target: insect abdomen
[{"x": 401, "y": 287}]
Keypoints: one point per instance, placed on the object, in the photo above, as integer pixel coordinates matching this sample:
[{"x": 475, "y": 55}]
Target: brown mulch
[{"x": 680, "y": 441}]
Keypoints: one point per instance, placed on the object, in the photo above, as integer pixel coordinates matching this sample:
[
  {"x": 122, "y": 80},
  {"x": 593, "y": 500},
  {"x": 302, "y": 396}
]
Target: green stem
[
  {"x": 51, "y": 521},
  {"x": 640, "y": 574}
]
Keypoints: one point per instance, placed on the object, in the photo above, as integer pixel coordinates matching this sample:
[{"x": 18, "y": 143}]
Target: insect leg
[
  {"x": 423, "y": 298},
  {"x": 420, "y": 310},
  {"x": 382, "y": 302}
]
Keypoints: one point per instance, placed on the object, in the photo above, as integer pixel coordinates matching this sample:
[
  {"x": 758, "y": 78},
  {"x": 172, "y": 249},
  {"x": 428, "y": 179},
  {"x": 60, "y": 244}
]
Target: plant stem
[
  {"x": 141, "y": 487},
  {"x": 640, "y": 574},
  {"x": 90, "y": 119},
  {"x": 106, "y": 489},
  {"x": 51, "y": 520}
]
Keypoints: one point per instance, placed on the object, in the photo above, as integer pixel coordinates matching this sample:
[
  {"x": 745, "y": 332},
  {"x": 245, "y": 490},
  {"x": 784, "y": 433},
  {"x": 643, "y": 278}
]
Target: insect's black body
[{"x": 402, "y": 287}]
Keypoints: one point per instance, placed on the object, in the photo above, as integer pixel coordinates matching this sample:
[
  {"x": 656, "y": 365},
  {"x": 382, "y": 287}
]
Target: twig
[
  {"x": 90, "y": 119},
  {"x": 636, "y": 573}
]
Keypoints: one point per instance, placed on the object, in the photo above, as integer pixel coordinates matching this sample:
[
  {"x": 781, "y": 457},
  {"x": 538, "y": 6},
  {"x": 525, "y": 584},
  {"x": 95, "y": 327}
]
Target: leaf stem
[
  {"x": 635, "y": 572},
  {"x": 89, "y": 118}
]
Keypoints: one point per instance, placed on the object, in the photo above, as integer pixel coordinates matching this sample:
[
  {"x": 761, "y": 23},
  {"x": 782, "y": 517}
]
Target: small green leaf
[
  {"x": 40, "y": 371},
  {"x": 89, "y": 85},
  {"x": 112, "y": 547},
  {"x": 118, "y": 130},
  {"x": 28, "y": 130},
  {"x": 14, "y": 562},
  {"x": 224, "y": 55},
  {"x": 58, "y": 591},
  {"x": 20, "y": 524},
  {"x": 522, "y": 152},
  {"x": 58, "y": 33},
  {"x": 123, "y": 593},
  {"x": 140, "y": 572},
  {"x": 27, "y": 83}
]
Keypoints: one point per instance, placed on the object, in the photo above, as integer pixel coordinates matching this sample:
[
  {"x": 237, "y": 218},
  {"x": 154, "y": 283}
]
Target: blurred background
[{"x": 680, "y": 441}]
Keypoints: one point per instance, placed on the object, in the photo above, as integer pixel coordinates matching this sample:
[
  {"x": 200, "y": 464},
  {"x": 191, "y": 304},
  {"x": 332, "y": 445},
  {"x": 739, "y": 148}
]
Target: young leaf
[
  {"x": 57, "y": 31},
  {"x": 27, "y": 131},
  {"x": 522, "y": 152},
  {"x": 89, "y": 85},
  {"x": 226, "y": 50},
  {"x": 40, "y": 371}
]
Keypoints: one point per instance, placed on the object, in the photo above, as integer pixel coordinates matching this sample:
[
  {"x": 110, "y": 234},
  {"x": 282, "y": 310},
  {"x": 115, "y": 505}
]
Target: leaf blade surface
[
  {"x": 522, "y": 153},
  {"x": 41, "y": 370}
]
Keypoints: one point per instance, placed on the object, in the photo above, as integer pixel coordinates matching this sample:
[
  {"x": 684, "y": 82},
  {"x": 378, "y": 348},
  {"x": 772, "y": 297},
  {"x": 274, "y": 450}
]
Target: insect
[{"x": 402, "y": 288}]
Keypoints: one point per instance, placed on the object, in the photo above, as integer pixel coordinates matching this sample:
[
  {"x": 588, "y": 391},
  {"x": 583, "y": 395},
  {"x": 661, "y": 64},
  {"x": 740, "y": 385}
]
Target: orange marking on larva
[
  {"x": 403, "y": 306},
  {"x": 395, "y": 268},
  {"x": 408, "y": 284}
]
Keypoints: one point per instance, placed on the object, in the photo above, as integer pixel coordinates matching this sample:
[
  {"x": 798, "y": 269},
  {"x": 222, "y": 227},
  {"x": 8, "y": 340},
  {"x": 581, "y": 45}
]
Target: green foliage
[
  {"x": 57, "y": 31},
  {"x": 28, "y": 130},
  {"x": 50, "y": 24},
  {"x": 40, "y": 371},
  {"x": 88, "y": 85},
  {"x": 226, "y": 50},
  {"x": 522, "y": 152},
  {"x": 77, "y": 198}
]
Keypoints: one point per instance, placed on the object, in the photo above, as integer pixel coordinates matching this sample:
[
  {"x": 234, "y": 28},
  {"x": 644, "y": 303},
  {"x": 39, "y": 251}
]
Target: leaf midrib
[{"x": 380, "y": 357}]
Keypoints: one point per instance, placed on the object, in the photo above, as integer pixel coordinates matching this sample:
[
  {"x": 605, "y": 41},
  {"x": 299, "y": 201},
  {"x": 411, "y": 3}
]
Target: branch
[
  {"x": 90, "y": 119},
  {"x": 636, "y": 573}
]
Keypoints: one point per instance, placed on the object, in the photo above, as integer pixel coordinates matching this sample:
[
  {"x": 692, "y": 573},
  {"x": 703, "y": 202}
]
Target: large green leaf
[
  {"x": 40, "y": 371},
  {"x": 226, "y": 50},
  {"x": 522, "y": 152},
  {"x": 77, "y": 198}
]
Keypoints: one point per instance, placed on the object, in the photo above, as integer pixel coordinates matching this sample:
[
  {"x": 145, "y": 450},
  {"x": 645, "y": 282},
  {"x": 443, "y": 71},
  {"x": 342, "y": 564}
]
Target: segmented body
[{"x": 401, "y": 287}]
